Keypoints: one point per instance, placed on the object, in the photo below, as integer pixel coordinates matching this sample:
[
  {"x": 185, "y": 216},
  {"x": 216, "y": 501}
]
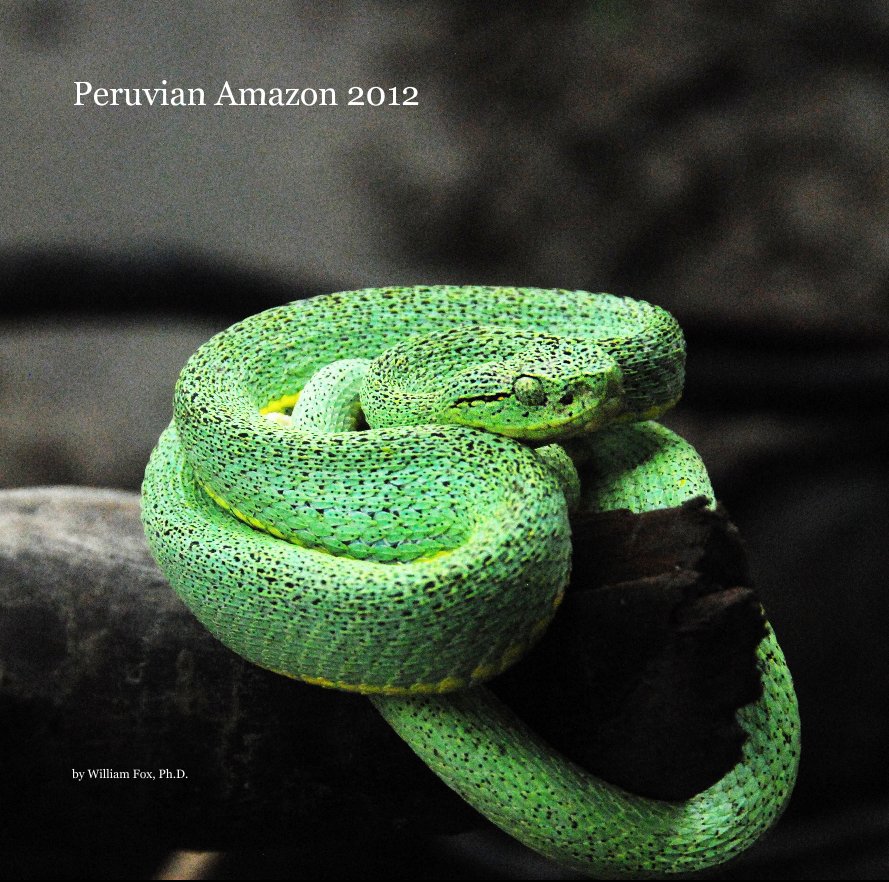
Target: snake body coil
[{"x": 428, "y": 552}]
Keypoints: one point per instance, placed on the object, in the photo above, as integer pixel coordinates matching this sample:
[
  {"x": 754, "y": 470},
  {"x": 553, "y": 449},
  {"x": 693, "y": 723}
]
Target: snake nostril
[{"x": 567, "y": 398}]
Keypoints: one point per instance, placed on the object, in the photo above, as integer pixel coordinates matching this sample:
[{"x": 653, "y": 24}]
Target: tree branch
[{"x": 102, "y": 667}]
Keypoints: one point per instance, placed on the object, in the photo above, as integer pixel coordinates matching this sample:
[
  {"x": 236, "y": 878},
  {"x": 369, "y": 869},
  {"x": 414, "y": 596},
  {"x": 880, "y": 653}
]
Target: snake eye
[{"x": 529, "y": 391}]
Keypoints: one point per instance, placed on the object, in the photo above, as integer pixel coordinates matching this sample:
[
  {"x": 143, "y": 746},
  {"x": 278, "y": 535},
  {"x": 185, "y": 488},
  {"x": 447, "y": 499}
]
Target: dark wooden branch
[
  {"x": 639, "y": 676},
  {"x": 102, "y": 667}
]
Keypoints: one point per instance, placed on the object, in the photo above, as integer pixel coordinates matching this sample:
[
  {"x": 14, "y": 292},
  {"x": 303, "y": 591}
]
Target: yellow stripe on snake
[{"x": 405, "y": 533}]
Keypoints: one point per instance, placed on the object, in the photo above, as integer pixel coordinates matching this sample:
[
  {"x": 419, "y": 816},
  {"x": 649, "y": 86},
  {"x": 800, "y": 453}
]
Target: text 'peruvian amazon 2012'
[{"x": 228, "y": 95}]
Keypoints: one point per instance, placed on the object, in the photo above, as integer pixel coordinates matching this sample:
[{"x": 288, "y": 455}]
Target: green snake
[{"x": 370, "y": 491}]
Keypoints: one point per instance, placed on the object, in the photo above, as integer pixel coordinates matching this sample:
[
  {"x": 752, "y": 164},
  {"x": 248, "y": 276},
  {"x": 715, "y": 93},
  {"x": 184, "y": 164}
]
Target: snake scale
[{"x": 370, "y": 491}]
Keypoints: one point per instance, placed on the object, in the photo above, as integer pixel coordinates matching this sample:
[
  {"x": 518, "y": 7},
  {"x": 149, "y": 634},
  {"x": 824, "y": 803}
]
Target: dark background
[{"x": 727, "y": 161}]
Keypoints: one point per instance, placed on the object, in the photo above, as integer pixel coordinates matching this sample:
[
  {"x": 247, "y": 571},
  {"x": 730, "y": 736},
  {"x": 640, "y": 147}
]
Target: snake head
[{"x": 555, "y": 389}]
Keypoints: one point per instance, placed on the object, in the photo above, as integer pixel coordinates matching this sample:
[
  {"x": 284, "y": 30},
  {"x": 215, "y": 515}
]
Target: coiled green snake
[{"x": 404, "y": 533}]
